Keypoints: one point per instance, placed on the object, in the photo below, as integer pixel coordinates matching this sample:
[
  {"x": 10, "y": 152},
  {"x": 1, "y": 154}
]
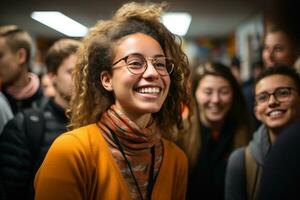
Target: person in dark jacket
[
  {"x": 277, "y": 104},
  {"x": 20, "y": 86},
  {"x": 280, "y": 179},
  {"x": 19, "y": 159}
]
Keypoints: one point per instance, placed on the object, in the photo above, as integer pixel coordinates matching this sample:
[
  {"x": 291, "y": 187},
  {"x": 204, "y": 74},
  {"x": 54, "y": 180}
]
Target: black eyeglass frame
[{"x": 276, "y": 94}]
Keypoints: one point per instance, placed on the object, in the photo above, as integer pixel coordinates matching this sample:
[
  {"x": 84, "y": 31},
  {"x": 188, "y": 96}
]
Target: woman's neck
[
  {"x": 142, "y": 120},
  {"x": 216, "y": 126}
]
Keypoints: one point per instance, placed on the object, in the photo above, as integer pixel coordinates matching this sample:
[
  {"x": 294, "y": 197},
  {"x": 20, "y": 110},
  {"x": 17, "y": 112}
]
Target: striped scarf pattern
[{"x": 136, "y": 143}]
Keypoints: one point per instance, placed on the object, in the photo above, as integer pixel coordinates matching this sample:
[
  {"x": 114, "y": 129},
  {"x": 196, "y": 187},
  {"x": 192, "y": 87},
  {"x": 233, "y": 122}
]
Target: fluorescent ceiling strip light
[
  {"x": 177, "y": 23},
  {"x": 60, "y": 22}
]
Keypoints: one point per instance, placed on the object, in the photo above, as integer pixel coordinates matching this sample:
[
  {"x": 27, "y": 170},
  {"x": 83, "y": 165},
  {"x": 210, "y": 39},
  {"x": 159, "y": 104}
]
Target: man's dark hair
[
  {"x": 59, "y": 51},
  {"x": 279, "y": 70}
]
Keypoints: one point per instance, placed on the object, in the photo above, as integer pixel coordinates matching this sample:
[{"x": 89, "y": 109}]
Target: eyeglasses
[
  {"x": 137, "y": 64},
  {"x": 280, "y": 94}
]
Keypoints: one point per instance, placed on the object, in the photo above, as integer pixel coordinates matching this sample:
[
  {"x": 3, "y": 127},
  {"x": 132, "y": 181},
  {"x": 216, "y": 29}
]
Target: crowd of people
[{"x": 120, "y": 114}]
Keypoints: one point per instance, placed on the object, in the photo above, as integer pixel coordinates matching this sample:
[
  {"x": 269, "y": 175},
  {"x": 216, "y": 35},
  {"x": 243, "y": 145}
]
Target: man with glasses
[{"x": 277, "y": 104}]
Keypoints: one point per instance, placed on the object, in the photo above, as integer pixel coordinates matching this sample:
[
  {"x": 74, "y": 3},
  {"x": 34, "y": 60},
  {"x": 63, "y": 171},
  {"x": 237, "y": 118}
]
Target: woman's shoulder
[
  {"x": 171, "y": 145},
  {"x": 79, "y": 138},
  {"x": 172, "y": 150},
  {"x": 174, "y": 156},
  {"x": 82, "y": 133}
]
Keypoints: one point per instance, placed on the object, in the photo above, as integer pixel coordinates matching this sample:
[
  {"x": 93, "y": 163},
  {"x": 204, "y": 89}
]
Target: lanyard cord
[{"x": 151, "y": 173}]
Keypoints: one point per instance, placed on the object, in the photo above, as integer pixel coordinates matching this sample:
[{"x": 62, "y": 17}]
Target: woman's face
[
  {"x": 278, "y": 50},
  {"x": 137, "y": 94},
  {"x": 214, "y": 96}
]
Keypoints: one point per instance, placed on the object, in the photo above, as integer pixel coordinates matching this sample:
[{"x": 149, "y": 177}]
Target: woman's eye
[
  {"x": 207, "y": 92},
  {"x": 135, "y": 64},
  {"x": 160, "y": 65},
  {"x": 278, "y": 48}
]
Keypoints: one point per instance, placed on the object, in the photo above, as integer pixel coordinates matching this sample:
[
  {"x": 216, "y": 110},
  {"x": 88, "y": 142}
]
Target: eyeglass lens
[
  {"x": 137, "y": 64},
  {"x": 280, "y": 94}
]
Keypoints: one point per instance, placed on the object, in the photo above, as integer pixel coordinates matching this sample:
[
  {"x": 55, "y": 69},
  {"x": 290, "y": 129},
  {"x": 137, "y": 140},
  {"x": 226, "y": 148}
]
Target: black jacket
[
  {"x": 207, "y": 178},
  {"x": 35, "y": 101},
  {"x": 281, "y": 175},
  {"x": 17, "y": 162}
]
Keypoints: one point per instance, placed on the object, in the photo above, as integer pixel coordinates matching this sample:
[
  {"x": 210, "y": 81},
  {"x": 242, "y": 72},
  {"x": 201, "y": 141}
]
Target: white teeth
[
  {"x": 214, "y": 108},
  {"x": 149, "y": 90},
  {"x": 275, "y": 113}
]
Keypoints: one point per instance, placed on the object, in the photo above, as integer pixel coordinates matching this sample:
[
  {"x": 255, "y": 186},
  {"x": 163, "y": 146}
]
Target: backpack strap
[
  {"x": 253, "y": 175},
  {"x": 34, "y": 128},
  {"x": 34, "y": 125}
]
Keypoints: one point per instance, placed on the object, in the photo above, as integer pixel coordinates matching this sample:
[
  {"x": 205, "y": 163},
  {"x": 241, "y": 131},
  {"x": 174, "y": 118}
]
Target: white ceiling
[{"x": 210, "y": 18}]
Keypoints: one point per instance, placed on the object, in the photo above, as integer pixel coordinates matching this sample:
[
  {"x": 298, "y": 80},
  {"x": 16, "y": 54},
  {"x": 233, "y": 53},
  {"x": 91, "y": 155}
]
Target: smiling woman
[
  {"x": 129, "y": 90},
  {"x": 220, "y": 125}
]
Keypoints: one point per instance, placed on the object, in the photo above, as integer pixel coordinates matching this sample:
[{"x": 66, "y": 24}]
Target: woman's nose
[
  {"x": 150, "y": 70},
  {"x": 215, "y": 97}
]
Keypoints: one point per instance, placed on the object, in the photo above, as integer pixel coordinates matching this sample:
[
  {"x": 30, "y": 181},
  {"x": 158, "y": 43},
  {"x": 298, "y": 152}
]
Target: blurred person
[
  {"x": 130, "y": 85},
  {"x": 297, "y": 65},
  {"x": 280, "y": 178},
  {"x": 27, "y": 138},
  {"x": 20, "y": 87},
  {"x": 281, "y": 47},
  {"x": 219, "y": 125},
  {"x": 47, "y": 86},
  {"x": 5, "y": 111},
  {"x": 235, "y": 68},
  {"x": 256, "y": 68},
  {"x": 277, "y": 104}
]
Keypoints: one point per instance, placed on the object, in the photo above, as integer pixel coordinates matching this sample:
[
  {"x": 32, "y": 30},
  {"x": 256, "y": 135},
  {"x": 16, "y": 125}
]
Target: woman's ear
[{"x": 105, "y": 78}]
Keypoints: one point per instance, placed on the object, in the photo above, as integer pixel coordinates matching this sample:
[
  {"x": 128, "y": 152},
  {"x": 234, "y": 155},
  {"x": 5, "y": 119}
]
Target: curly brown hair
[{"x": 97, "y": 53}]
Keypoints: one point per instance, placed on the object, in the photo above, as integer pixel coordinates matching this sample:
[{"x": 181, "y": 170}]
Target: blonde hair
[{"x": 98, "y": 51}]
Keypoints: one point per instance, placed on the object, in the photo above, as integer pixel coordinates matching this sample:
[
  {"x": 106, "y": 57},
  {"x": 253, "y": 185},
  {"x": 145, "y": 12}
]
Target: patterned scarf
[{"x": 136, "y": 143}]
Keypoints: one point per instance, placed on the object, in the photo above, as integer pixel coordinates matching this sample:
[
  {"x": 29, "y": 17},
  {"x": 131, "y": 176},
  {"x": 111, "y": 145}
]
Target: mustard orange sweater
[{"x": 79, "y": 165}]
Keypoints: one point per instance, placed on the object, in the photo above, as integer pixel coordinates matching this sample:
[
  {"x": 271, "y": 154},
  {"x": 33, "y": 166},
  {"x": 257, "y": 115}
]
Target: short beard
[{"x": 66, "y": 97}]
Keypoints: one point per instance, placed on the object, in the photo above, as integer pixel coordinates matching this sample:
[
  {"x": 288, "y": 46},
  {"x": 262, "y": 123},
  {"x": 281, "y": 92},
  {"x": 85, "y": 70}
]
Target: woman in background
[{"x": 219, "y": 125}]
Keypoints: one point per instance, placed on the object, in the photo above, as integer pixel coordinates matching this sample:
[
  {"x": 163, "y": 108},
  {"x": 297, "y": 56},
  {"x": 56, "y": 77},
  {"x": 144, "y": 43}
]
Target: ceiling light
[
  {"x": 61, "y": 23},
  {"x": 177, "y": 23}
]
